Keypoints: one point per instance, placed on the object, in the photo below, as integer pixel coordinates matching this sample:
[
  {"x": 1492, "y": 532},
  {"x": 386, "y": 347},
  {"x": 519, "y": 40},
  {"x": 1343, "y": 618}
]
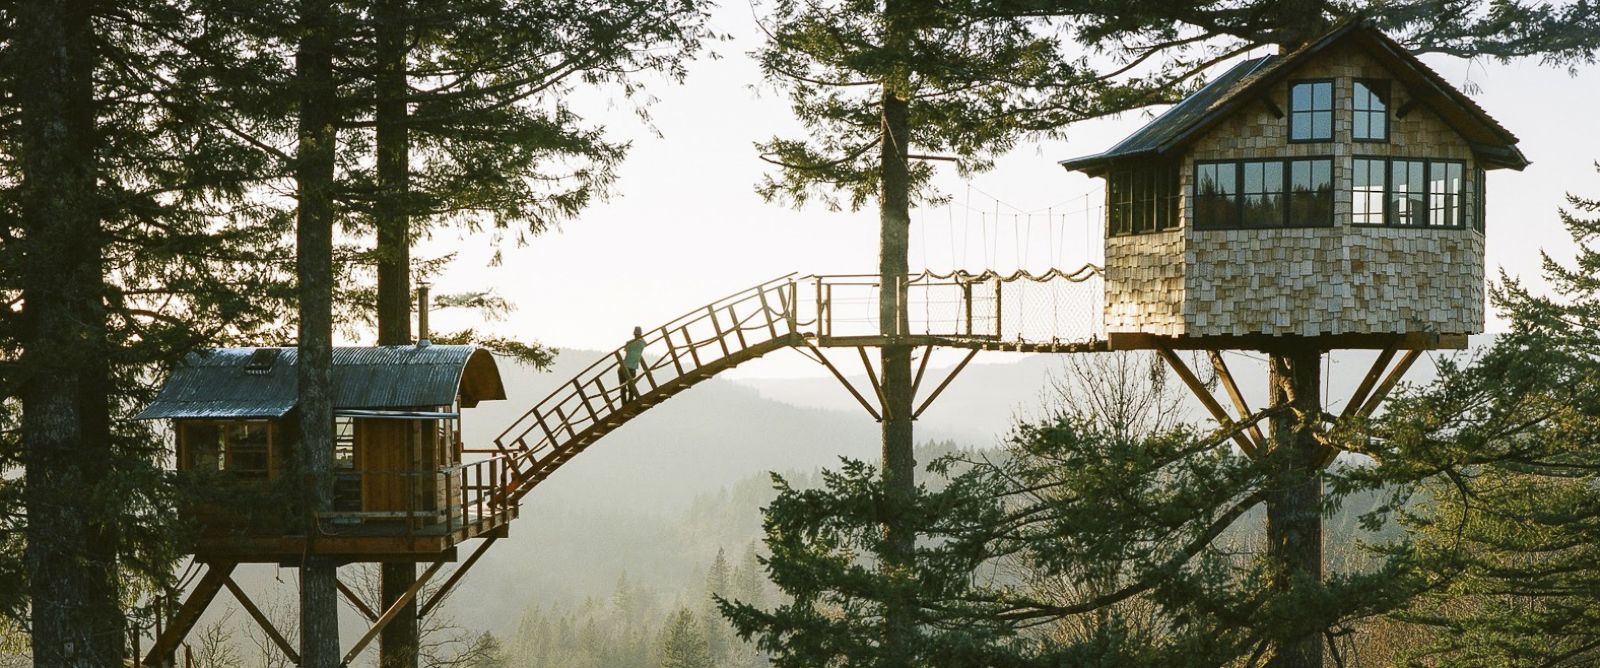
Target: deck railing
[{"x": 447, "y": 499}]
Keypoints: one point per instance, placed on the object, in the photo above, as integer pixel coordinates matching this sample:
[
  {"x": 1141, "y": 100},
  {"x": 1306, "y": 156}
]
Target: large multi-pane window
[
  {"x": 1370, "y": 109},
  {"x": 1427, "y": 193},
  {"x": 1264, "y": 193},
  {"x": 240, "y": 448},
  {"x": 1311, "y": 111},
  {"x": 1143, "y": 200}
]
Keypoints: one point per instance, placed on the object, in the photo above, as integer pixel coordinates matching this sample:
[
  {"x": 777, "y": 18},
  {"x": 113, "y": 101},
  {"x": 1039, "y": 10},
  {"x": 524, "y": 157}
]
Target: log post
[{"x": 1294, "y": 497}]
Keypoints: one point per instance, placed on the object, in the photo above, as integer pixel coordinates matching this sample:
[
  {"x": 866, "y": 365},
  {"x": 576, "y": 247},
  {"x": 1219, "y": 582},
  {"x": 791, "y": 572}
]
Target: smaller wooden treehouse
[
  {"x": 1334, "y": 192},
  {"x": 401, "y": 490}
]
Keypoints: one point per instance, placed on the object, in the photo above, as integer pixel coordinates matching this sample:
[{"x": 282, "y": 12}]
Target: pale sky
[{"x": 687, "y": 227}]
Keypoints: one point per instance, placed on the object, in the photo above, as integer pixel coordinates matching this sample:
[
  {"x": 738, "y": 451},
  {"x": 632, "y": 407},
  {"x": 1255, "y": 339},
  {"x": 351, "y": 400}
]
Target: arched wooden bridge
[{"x": 1052, "y": 312}]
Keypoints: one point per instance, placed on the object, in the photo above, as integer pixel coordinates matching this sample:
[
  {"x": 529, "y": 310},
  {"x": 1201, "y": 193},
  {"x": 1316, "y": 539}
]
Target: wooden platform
[{"x": 392, "y": 541}]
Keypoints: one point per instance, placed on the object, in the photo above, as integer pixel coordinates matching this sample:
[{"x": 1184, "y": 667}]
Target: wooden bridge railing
[
  {"x": 956, "y": 309},
  {"x": 682, "y": 352}
]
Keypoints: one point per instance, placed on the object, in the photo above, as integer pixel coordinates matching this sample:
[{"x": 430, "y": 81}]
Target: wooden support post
[
  {"x": 966, "y": 299},
  {"x": 355, "y": 602},
  {"x": 392, "y": 612},
  {"x": 672, "y": 351},
  {"x": 261, "y": 619},
  {"x": 167, "y": 640},
  {"x": 548, "y": 433},
  {"x": 649, "y": 376},
  {"x": 790, "y": 303},
  {"x": 455, "y": 576},
  {"x": 1210, "y": 402},
  {"x": 722, "y": 337},
  {"x": 999, "y": 288},
  {"x": 1228, "y": 383},
  {"x": 565, "y": 422},
  {"x": 872, "y": 377},
  {"x": 584, "y": 399},
  {"x": 766, "y": 310},
  {"x": 694, "y": 350},
  {"x": 1294, "y": 491},
  {"x": 953, "y": 372},
  {"x": 844, "y": 381},
  {"x": 738, "y": 329}
]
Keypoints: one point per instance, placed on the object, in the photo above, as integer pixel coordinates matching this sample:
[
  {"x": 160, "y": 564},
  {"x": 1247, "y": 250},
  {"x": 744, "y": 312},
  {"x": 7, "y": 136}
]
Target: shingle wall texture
[{"x": 1305, "y": 281}]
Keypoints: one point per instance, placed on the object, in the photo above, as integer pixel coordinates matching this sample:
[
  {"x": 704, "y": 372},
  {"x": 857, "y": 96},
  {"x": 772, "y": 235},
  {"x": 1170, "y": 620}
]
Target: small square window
[
  {"x": 1370, "y": 106},
  {"x": 1311, "y": 111}
]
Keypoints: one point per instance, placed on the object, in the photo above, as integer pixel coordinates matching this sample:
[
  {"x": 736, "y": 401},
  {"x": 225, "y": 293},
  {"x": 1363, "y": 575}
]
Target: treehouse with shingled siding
[
  {"x": 401, "y": 487},
  {"x": 1336, "y": 190}
]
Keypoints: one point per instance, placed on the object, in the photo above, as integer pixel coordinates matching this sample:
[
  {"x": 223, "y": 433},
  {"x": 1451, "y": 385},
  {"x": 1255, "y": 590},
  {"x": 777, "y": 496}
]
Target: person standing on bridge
[{"x": 632, "y": 357}]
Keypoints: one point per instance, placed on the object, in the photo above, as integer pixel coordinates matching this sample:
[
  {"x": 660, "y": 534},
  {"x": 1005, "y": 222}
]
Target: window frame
[
  {"x": 1472, "y": 203},
  {"x": 1385, "y": 88},
  {"x": 1332, "y": 110},
  {"x": 1135, "y": 190},
  {"x": 226, "y": 451},
  {"x": 1284, "y": 191},
  {"x": 1480, "y": 210}
]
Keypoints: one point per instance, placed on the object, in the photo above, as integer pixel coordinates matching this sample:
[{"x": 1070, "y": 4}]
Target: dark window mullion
[
  {"x": 1287, "y": 167},
  {"x": 1388, "y": 191}
]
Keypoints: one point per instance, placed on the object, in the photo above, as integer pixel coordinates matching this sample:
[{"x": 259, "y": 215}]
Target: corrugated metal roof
[
  {"x": 1156, "y": 136},
  {"x": 1239, "y": 85},
  {"x": 219, "y": 384}
]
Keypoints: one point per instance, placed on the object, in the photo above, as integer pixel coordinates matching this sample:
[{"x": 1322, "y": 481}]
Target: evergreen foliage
[
  {"x": 683, "y": 642},
  {"x": 1508, "y": 524}
]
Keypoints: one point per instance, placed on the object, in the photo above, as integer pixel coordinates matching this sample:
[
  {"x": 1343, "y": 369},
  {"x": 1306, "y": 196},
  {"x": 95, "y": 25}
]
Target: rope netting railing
[{"x": 1051, "y": 308}]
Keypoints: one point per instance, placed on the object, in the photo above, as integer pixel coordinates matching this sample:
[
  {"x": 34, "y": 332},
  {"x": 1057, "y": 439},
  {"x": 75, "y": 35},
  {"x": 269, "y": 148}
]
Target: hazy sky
[{"x": 687, "y": 226}]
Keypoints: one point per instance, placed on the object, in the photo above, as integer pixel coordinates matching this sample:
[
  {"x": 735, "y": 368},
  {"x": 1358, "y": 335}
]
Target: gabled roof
[
  {"x": 262, "y": 382},
  {"x": 1248, "y": 81}
]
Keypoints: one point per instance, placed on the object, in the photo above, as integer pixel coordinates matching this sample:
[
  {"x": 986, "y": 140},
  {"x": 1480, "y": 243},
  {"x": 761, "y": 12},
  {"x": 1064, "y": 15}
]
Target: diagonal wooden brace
[
  {"x": 1362, "y": 405},
  {"x": 1232, "y": 386},
  {"x": 166, "y": 643},
  {"x": 355, "y": 601},
  {"x": 1200, "y": 392},
  {"x": 935, "y": 395},
  {"x": 845, "y": 381},
  {"x": 455, "y": 576},
  {"x": 872, "y": 377},
  {"x": 261, "y": 619},
  {"x": 393, "y": 611}
]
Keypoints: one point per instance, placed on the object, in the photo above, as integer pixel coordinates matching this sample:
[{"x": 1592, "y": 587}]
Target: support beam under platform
[
  {"x": 164, "y": 649},
  {"x": 1269, "y": 344},
  {"x": 394, "y": 610}
]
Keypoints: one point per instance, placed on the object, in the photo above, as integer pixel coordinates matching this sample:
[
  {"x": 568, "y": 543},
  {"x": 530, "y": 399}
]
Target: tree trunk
[
  {"x": 1294, "y": 503},
  {"x": 72, "y": 529},
  {"x": 399, "y": 642},
  {"x": 314, "y": 170},
  {"x": 899, "y": 457},
  {"x": 390, "y": 214}
]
